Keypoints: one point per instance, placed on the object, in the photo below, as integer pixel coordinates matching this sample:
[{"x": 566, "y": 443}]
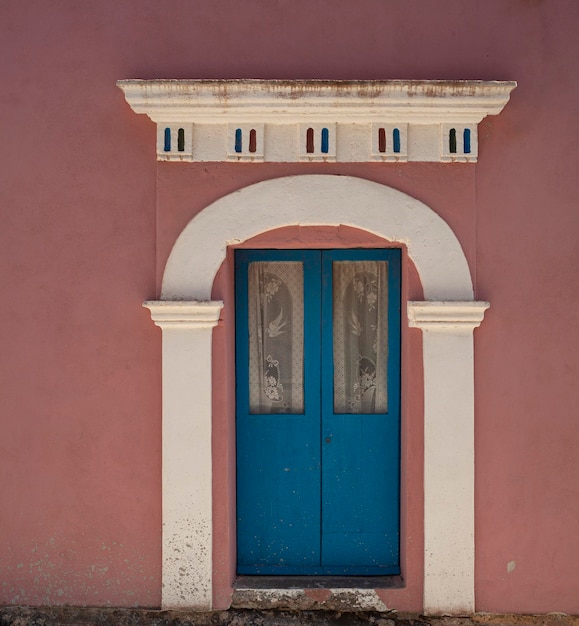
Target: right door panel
[{"x": 360, "y": 411}]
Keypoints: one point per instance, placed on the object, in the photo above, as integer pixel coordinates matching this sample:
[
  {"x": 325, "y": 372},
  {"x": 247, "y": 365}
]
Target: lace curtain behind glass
[
  {"x": 360, "y": 312},
  {"x": 276, "y": 321}
]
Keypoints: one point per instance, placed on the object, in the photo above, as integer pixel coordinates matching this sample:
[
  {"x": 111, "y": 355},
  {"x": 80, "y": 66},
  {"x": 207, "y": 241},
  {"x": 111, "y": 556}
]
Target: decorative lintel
[
  {"x": 184, "y": 314},
  {"x": 316, "y": 120},
  {"x": 446, "y": 316}
]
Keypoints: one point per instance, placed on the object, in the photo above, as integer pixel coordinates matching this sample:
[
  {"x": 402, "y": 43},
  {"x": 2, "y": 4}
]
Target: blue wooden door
[{"x": 318, "y": 450}]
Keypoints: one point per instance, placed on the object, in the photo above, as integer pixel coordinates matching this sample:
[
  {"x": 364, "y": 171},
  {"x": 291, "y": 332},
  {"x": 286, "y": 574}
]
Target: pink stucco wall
[{"x": 89, "y": 218}]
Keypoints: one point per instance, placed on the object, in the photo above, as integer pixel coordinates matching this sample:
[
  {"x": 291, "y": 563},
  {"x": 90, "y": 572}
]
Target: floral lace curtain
[
  {"x": 360, "y": 296},
  {"x": 276, "y": 337}
]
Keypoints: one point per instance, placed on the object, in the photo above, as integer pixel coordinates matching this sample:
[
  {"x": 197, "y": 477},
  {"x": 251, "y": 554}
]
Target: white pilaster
[
  {"x": 187, "y": 504},
  {"x": 448, "y": 354}
]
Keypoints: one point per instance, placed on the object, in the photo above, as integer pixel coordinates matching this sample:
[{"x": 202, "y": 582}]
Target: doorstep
[{"x": 76, "y": 616}]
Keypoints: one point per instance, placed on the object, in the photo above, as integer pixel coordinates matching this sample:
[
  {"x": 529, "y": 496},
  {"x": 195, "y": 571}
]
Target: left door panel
[{"x": 278, "y": 441}]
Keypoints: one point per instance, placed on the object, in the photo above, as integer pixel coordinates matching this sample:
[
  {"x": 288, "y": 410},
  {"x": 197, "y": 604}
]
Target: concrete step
[{"x": 75, "y": 616}]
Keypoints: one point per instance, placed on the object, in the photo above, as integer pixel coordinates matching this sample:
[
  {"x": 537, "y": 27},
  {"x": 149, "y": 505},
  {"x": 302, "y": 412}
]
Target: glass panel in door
[
  {"x": 360, "y": 338},
  {"x": 276, "y": 337}
]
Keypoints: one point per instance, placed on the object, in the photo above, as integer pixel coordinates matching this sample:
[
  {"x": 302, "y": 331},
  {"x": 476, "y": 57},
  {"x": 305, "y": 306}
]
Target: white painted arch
[
  {"x": 447, "y": 319},
  {"x": 314, "y": 200}
]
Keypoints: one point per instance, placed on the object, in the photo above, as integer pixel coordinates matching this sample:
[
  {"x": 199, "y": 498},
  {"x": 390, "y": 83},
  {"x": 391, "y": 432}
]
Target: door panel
[
  {"x": 278, "y": 459},
  {"x": 278, "y": 494},
  {"x": 360, "y": 451},
  {"x": 317, "y": 490}
]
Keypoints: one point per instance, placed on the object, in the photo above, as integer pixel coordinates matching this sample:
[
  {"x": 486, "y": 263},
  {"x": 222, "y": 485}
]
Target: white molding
[
  {"x": 448, "y": 372},
  {"x": 184, "y": 314},
  {"x": 446, "y": 316},
  {"x": 279, "y": 101},
  {"x": 285, "y": 108}
]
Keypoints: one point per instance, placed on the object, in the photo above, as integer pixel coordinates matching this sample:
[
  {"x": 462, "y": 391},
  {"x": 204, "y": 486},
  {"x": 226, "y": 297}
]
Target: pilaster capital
[
  {"x": 184, "y": 314},
  {"x": 447, "y": 316}
]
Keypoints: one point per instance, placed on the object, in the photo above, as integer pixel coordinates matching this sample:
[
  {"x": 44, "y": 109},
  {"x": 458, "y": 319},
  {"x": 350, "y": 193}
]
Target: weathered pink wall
[{"x": 88, "y": 219}]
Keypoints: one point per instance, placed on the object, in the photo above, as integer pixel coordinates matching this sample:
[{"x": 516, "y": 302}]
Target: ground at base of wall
[{"x": 72, "y": 616}]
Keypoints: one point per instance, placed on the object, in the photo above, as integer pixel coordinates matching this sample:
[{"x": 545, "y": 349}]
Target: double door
[{"x": 318, "y": 411}]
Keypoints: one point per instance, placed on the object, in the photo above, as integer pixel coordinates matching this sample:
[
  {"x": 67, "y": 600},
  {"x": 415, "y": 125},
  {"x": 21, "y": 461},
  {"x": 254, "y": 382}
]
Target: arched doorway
[{"x": 447, "y": 317}]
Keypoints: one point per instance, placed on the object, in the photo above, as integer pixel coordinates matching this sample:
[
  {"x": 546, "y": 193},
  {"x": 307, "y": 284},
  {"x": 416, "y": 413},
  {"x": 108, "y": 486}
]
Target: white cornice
[
  {"x": 446, "y": 316},
  {"x": 281, "y": 101},
  {"x": 184, "y": 314},
  {"x": 197, "y": 120}
]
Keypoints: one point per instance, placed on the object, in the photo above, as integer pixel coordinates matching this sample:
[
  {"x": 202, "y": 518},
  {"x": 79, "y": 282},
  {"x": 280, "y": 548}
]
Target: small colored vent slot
[
  {"x": 325, "y": 140},
  {"x": 252, "y": 140},
  {"x": 466, "y": 140},
  {"x": 310, "y": 140},
  {"x": 238, "y": 140},
  {"x": 396, "y": 139},
  {"x": 167, "y": 147},
  {"x": 452, "y": 141},
  {"x": 181, "y": 140},
  {"x": 381, "y": 140}
]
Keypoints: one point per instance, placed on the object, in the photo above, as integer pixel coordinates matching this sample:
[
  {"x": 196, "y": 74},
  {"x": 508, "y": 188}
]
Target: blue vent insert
[
  {"x": 325, "y": 140},
  {"x": 466, "y": 140},
  {"x": 238, "y": 140},
  {"x": 396, "y": 139}
]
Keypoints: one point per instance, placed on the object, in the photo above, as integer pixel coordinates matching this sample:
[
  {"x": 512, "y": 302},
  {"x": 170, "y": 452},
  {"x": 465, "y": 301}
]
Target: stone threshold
[{"x": 81, "y": 616}]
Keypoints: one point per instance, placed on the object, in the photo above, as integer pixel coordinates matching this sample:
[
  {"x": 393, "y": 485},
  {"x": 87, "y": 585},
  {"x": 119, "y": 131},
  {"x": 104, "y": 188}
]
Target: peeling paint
[
  {"x": 347, "y": 600},
  {"x": 62, "y": 575}
]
